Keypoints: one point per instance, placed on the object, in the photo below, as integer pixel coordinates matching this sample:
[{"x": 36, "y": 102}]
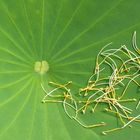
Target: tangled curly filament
[{"x": 124, "y": 66}]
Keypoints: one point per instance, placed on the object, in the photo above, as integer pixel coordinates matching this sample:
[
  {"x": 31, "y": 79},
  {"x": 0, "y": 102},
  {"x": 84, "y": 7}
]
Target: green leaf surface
[{"x": 68, "y": 34}]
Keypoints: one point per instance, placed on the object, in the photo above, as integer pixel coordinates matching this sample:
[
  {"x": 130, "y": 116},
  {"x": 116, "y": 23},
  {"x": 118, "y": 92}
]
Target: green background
[{"x": 68, "y": 34}]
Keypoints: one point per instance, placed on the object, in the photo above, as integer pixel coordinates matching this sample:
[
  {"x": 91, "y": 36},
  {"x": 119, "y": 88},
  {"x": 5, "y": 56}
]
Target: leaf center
[{"x": 41, "y": 67}]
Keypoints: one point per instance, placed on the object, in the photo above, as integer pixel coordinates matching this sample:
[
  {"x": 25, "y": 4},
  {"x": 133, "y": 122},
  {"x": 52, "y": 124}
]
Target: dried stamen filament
[
  {"x": 114, "y": 129},
  {"x": 90, "y": 126}
]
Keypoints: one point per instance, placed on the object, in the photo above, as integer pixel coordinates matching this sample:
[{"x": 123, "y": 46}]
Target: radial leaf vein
[
  {"x": 85, "y": 31},
  {"x": 18, "y": 113}
]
